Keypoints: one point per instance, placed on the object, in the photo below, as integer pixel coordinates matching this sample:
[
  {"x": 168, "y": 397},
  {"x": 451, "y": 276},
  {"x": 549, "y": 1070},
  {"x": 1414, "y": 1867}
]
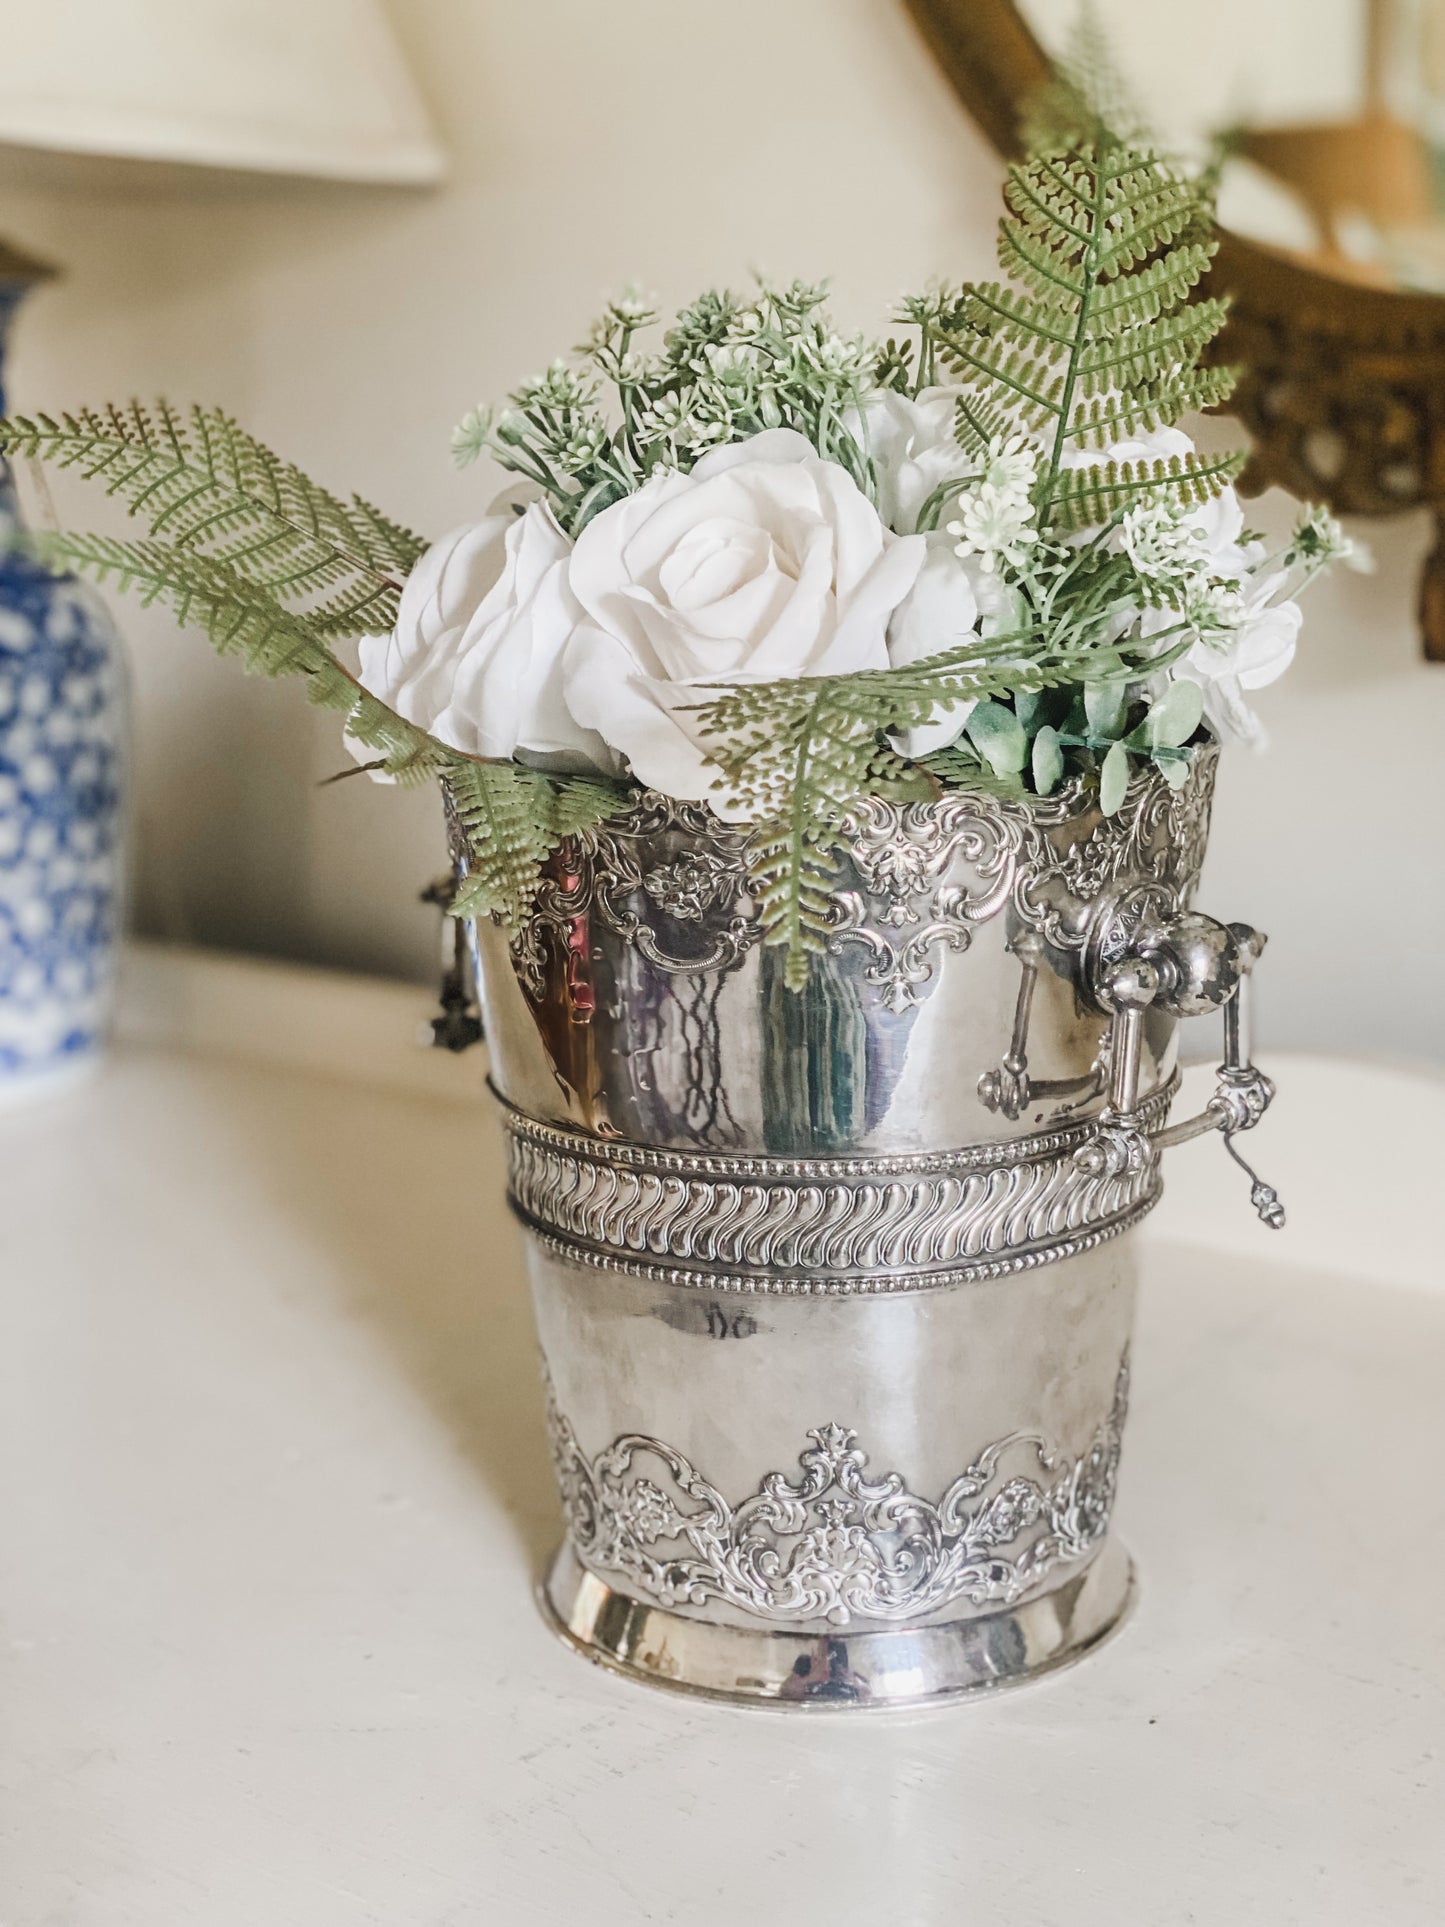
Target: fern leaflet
[
  {"x": 205, "y": 486},
  {"x": 1100, "y": 338}
]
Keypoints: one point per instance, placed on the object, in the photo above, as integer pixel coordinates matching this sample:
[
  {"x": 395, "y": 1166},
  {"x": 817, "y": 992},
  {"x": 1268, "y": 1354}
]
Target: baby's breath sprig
[{"x": 588, "y": 433}]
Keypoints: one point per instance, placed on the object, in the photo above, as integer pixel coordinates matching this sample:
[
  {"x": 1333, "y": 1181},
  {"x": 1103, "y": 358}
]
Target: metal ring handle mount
[{"x": 1189, "y": 965}]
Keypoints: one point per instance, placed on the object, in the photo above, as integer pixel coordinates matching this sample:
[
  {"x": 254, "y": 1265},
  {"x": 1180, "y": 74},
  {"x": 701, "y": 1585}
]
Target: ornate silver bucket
[{"x": 832, "y": 1298}]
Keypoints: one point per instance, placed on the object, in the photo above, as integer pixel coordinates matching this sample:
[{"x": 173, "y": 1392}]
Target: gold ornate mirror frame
[{"x": 1344, "y": 384}]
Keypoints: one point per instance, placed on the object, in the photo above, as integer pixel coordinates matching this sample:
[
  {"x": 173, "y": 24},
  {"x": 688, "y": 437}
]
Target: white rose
[
  {"x": 938, "y": 613},
  {"x": 912, "y": 444},
  {"x": 765, "y": 562},
  {"x": 475, "y": 657}
]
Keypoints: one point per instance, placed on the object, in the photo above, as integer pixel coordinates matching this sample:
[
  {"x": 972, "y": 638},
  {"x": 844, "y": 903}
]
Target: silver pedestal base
[{"x": 900, "y": 1667}]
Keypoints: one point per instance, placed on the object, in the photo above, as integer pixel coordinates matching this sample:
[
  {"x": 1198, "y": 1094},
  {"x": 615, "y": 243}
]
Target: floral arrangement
[{"x": 766, "y": 567}]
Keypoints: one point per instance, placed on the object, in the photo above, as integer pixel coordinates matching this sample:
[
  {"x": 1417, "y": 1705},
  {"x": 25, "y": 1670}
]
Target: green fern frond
[
  {"x": 1105, "y": 418},
  {"x": 1022, "y": 381},
  {"x": 979, "y": 423},
  {"x": 792, "y": 854},
  {"x": 1161, "y": 211},
  {"x": 503, "y": 811},
  {"x": 204, "y": 485},
  {"x": 1097, "y": 334},
  {"x": 241, "y": 618},
  {"x": 1142, "y": 355},
  {"x": 512, "y": 818},
  {"x": 387, "y": 544},
  {"x": 1152, "y": 290},
  {"x": 893, "y": 776},
  {"x": 237, "y": 615},
  {"x": 802, "y": 757},
  {"x": 362, "y": 608},
  {"x": 962, "y": 769},
  {"x": 1086, "y": 496},
  {"x": 991, "y": 307},
  {"x": 792, "y": 866},
  {"x": 1048, "y": 274},
  {"x": 581, "y": 802}
]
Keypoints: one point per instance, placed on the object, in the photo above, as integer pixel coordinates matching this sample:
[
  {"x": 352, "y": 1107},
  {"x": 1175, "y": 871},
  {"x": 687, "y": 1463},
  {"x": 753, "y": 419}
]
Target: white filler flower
[{"x": 996, "y": 525}]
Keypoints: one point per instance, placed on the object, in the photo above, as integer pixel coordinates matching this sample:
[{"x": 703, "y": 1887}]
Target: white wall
[{"x": 676, "y": 144}]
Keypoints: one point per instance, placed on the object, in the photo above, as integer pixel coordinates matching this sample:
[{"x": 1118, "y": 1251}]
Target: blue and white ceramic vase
[{"x": 62, "y": 790}]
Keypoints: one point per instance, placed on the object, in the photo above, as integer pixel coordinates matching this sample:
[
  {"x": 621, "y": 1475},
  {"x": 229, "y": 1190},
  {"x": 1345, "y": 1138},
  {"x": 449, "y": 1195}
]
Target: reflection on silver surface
[
  {"x": 637, "y": 1002},
  {"x": 906, "y": 1668}
]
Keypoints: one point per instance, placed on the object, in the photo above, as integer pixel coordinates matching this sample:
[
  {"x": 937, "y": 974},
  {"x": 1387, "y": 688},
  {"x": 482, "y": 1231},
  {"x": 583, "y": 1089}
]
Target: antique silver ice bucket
[{"x": 833, "y": 1302}]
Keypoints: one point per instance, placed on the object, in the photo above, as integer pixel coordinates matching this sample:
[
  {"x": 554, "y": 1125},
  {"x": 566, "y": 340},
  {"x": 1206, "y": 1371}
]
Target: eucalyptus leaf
[
  {"x": 1048, "y": 761},
  {"x": 1075, "y": 725},
  {"x": 1175, "y": 717},
  {"x": 999, "y": 738},
  {"x": 1113, "y": 779},
  {"x": 1174, "y": 769},
  {"x": 1009, "y": 610},
  {"x": 1104, "y": 704},
  {"x": 1027, "y": 706}
]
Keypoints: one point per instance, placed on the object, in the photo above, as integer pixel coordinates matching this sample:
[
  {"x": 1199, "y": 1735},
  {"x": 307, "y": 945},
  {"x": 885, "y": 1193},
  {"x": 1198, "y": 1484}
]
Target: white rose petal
[
  {"x": 1258, "y": 652},
  {"x": 939, "y": 612},
  {"x": 1266, "y": 644},
  {"x": 764, "y": 562},
  {"x": 911, "y": 441},
  {"x": 475, "y": 657},
  {"x": 1229, "y": 716}
]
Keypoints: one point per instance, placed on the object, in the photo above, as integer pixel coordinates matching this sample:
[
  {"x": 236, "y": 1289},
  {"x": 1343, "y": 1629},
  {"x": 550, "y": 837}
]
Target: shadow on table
[{"x": 409, "y": 1193}]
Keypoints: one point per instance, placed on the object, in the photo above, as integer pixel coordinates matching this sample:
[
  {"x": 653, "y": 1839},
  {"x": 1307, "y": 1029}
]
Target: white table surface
[{"x": 274, "y": 1489}]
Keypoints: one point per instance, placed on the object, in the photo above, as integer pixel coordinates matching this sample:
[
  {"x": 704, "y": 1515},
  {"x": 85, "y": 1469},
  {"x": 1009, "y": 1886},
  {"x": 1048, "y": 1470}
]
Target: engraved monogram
[{"x": 832, "y": 1543}]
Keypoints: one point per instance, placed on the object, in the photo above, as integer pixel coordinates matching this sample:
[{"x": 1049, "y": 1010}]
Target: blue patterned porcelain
[{"x": 62, "y": 755}]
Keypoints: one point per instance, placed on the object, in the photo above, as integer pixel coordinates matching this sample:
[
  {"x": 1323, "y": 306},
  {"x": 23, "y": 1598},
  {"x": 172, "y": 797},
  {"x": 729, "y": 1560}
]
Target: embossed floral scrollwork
[
  {"x": 675, "y": 858},
  {"x": 671, "y": 880},
  {"x": 830, "y": 1543},
  {"x": 1024, "y": 855}
]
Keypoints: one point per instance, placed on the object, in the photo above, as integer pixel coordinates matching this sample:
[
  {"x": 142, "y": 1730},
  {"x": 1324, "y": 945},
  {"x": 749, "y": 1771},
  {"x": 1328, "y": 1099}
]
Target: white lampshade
[{"x": 308, "y": 87}]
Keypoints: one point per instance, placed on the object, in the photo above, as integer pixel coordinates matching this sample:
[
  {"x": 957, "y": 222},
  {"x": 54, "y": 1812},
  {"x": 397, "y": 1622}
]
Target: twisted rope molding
[
  {"x": 830, "y": 1225},
  {"x": 877, "y": 1284}
]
